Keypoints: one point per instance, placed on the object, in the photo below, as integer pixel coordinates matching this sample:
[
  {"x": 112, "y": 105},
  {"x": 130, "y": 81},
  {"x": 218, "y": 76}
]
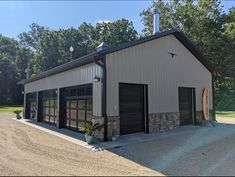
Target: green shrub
[
  {"x": 89, "y": 128},
  {"x": 17, "y": 112}
]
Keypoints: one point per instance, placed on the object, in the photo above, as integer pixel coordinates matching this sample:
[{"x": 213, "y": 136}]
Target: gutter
[{"x": 104, "y": 95}]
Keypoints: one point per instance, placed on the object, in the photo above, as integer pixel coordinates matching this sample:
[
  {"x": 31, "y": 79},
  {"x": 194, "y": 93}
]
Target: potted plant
[
  {"x": 114, "y": 136},
  {"x": 89, "y": 129},
  {"x": 17, "y": 112}
]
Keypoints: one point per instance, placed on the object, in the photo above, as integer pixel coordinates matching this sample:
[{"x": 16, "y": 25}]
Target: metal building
[{"x": 149, "y": 85}]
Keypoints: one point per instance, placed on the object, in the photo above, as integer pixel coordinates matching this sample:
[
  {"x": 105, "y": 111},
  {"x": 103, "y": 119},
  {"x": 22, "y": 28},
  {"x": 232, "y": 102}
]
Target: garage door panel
[
  {"x": 132, "y": 116},
  {"x": 78, "y": 105},
  {"x": 46, "y": 117},
  {"x": 48, "y": 101},
  {"x": 67, "y": 123},
  {"x": 131, "y": 108},
  {"x": 73, "y": 114},
  {"x": 81, "y": 104},
  {"x": 81, "y": 115},
  {"x": 73, "y": 123},
  {"x": 129, "y": 99},
  {"x": 52, "y": 111},
  {"x": 89, "y": 115},
  {"x": 52, "y": 119},
  {"x": 132, "y": 124},
  {"x": 186, "y": 105},
  {"x": 73, "y": 104},
  {"x": 134, "y": 129},
  {"x": 47, "y": 111}
]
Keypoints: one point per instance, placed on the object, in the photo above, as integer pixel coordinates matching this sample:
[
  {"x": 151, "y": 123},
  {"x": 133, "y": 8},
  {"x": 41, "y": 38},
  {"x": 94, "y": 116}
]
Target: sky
[{"x": 16, "y": 16}]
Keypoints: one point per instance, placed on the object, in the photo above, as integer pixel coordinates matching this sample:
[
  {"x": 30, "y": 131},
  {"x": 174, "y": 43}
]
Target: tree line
[{"x": 204, "y": 22}]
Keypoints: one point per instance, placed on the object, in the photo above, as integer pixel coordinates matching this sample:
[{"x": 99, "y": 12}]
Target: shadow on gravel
[
  {"x": 181, "y": 153},
  {"x": 52, "y": 127}
]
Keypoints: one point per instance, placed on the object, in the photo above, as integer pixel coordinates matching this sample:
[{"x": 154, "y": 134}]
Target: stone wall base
[
  {"x": 113, "y": 127},
  {"x": 163, "y": 121},
  {"x": 157, "y": 122}
]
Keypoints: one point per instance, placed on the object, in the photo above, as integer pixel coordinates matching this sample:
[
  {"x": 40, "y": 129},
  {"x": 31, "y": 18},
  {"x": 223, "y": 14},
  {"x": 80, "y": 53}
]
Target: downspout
[
  {"x": 104, "y": 103},
  {"x": 25, "y": 104},
  {"x": 213, "y": 95}
]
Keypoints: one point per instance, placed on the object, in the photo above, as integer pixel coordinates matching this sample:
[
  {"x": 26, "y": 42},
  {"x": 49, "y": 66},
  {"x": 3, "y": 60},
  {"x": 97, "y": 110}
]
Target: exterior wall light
[{"x": 96, "y": 79}]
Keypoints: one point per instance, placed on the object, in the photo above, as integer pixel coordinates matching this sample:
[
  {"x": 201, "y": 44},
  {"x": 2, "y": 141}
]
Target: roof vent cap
[{"x": 102, "y": 46}]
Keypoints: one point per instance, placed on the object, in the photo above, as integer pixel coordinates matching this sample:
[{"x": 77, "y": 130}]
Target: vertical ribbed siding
[
  {"x": 77, "y": 76},
  {"x": 97, "y": 99},
  {"x": 149, "y": 63}
]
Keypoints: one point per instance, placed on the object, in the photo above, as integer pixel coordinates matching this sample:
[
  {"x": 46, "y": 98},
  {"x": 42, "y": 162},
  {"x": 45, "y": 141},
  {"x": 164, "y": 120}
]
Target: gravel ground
[
  {"x": 25, "y": 150},
  {"x": 205, "y": 151}
]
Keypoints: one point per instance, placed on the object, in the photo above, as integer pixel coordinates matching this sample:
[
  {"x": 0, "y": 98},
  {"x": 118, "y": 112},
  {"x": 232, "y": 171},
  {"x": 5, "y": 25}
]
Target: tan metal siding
[
  {"x": 149, "y": 63},
  {"x": 77, "y": 76},
  {"x": 97, "y": 99}
]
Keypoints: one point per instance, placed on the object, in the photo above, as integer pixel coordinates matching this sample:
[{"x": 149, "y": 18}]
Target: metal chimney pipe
[{"x": 156, "y": 21}]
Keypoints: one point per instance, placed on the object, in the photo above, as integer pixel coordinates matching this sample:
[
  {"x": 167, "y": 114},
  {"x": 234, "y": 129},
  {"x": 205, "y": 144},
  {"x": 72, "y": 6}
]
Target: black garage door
[
  {"x": 78, "y": 106},
  {"x": 49, "y": 106},
  {"x": 131, "y": 106},
  {"x": 31, "y": 105},
  {"x": 186, "y": 105},
  {"x": 77, "y": 111}
]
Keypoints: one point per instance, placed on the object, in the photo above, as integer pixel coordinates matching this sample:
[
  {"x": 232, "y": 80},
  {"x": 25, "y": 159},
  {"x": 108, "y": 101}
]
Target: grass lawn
[
  {"x": 230, "y": 114},
  {"x": 10, "y": 108}
]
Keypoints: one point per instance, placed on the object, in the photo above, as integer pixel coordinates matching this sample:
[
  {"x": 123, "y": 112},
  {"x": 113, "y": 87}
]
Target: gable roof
[{"x": 98, "y": 55}]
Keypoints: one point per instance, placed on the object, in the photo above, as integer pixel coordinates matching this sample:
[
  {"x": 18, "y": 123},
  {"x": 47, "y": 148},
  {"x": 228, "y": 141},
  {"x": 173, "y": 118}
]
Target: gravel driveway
[
  {"x": 25, "y": 150},
  {"x": 204, "y": 151}
]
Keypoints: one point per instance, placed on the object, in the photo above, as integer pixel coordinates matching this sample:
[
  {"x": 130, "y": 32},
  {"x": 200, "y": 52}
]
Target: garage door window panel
[
  {"x": 79, "y": 106},
  {"x": 49, "y": 106},
  {"x": 31, "y": 105}
]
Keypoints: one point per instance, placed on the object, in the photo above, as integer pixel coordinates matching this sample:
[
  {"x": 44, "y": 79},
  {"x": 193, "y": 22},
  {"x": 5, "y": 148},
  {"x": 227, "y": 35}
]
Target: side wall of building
[
  {"x": 150, "y": 63},
  {"x": 77, "y": 76}
]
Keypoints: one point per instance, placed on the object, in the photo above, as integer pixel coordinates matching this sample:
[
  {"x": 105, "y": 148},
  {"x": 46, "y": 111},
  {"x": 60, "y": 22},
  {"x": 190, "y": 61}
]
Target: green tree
[
  {"x": 53, "y": 45},
  {"x": 7, "y": 78},
  {"x": 115, "y": 33},
  {"x": 22, "y": 58},
  {"x": 230, "y": 34},
  {"x": 207, "y": 26},
  {"x": 13, "y": 61},
  {"x": 31, "y": 38}
]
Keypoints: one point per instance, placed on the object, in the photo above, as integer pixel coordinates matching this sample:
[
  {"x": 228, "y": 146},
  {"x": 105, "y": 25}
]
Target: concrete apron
[{"x": 78, "y": 138}]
